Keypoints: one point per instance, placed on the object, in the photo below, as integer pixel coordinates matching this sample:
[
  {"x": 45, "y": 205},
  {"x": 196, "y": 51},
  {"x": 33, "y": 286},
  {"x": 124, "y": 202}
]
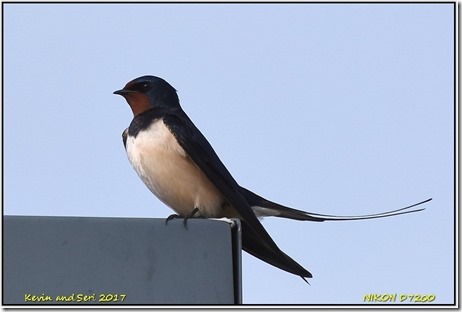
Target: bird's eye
[
  {"x": 142, "y": 86},
  {"x": 146, "y": 86}
]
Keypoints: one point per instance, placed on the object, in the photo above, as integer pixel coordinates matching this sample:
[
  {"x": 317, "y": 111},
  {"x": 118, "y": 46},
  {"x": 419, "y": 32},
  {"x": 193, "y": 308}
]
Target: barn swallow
[{"x": 178, "y": 165}]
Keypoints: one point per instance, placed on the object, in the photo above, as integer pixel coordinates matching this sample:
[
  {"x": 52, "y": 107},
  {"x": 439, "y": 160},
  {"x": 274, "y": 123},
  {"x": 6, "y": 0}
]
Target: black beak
[{"x": 122, "y": 92}]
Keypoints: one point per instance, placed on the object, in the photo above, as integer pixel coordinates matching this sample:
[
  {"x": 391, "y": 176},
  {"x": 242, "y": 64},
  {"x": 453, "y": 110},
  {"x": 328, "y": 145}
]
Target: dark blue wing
[{"x": 255, "y": 239}]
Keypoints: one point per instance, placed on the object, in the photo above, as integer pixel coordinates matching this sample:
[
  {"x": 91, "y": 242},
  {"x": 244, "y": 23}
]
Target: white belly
[{"x": 163, "y": 166}]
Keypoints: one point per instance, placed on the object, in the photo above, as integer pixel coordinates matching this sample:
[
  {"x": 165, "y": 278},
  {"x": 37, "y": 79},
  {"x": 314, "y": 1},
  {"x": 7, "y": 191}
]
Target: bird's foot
[
  {"x": 185, "y": 218},
  {"x": 191, "y": 215},
  {"x": 171, "y": 217}
]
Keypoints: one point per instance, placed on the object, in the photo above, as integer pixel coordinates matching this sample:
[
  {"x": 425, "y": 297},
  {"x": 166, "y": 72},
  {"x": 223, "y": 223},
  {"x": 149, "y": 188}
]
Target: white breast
[{"x": 166, "y": 170}]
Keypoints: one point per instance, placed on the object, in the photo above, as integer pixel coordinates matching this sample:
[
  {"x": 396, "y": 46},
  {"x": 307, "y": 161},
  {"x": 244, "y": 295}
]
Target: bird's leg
[
  {"x": 185, "y": 218},
  {"x": 191, "y": 215}
]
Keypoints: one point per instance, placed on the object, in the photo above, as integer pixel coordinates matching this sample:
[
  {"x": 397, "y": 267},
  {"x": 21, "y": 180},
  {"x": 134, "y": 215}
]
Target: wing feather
[{"x": 256, "y": 240}]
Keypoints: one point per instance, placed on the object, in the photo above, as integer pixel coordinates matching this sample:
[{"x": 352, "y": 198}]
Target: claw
[
  {"x": 191, "y": 215},
  {"x": 171, "y": 217}
]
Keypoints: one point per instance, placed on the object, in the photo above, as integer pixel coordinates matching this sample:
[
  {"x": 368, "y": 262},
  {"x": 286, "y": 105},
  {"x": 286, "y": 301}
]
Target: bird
[{"x": 179, "y": 166}]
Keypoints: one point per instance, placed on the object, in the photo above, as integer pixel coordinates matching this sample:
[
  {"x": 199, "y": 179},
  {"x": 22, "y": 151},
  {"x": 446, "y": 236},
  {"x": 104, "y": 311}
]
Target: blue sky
[{"x": 330, "y": 108}]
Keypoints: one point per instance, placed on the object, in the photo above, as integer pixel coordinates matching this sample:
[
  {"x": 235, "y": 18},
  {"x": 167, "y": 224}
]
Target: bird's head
[{"x": 149, "y": 92}]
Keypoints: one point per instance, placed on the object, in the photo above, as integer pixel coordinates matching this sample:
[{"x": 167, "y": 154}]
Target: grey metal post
[{"x": 80, "y": 260}]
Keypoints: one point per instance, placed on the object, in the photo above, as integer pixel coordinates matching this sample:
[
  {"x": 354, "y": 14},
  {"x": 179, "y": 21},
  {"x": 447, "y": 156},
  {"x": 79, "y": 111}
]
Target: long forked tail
[{"x": 265, "y": 208}]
